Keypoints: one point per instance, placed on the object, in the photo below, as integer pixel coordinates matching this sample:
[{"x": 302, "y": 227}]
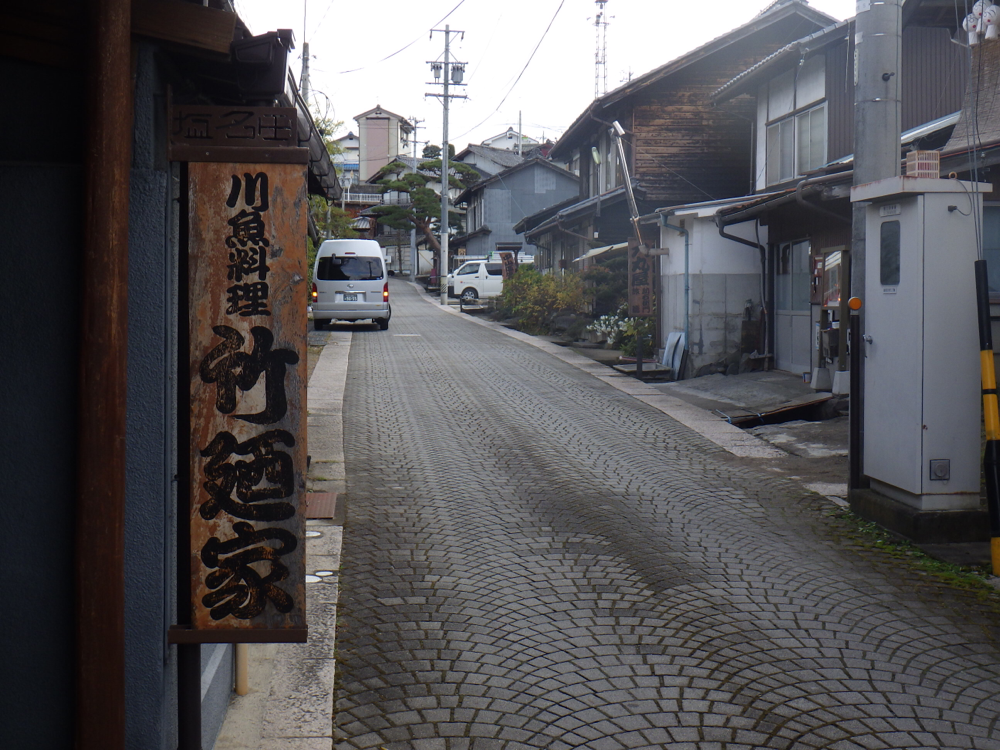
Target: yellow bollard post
[
  {"x": 242, "y": 668},
  {"x": 991, "y": 418}
]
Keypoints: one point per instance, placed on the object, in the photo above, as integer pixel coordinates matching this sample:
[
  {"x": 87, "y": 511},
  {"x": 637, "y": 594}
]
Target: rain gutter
[{"x": 814, "y": 181}]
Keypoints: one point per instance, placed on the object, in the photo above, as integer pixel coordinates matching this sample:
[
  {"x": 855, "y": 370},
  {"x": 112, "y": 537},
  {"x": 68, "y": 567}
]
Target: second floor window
[
  {"x": 604, "y": 165},
  {"x": 796, "y": 145}
]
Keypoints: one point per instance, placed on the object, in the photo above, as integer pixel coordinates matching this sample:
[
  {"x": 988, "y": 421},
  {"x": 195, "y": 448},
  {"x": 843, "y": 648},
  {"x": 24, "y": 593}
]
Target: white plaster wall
[
  {"x": 723, "y": 275},
  {"x": 711, "y": 253}
]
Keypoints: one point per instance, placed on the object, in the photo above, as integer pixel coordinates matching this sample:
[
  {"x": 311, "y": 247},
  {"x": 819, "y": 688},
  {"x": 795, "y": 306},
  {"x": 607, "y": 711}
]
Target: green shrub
[
  {"x": 608, "y": 281},
  {"x": 635, "y": 327},
  {"x": 533, "y": 298}
]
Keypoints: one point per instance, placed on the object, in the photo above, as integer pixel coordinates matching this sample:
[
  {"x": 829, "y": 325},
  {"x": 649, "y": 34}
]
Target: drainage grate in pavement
[{"x": 321, "y": 505}]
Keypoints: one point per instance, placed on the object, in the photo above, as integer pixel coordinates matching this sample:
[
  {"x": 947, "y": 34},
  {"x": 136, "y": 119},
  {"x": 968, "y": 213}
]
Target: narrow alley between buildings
[{"x": 534, "y": 559}]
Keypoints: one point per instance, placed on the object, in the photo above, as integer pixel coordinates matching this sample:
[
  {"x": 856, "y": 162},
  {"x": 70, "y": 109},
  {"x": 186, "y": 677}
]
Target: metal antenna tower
[{"x": 601, "y": 56}]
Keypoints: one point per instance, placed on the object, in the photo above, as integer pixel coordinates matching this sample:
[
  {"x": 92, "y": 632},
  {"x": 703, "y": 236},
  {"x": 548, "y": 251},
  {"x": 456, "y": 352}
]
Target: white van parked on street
[
  {"x": 350, "y": 282},
  {"x": 476, "y": 279}
]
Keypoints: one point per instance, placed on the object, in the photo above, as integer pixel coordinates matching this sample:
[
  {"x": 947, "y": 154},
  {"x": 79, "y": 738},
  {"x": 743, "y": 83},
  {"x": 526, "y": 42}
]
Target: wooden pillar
[{"x": 100, "y": 544}]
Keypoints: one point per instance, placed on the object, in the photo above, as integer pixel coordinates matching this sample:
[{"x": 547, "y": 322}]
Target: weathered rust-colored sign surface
[
  {"x": 247, "y": 323},
  {"x": 208, "y": 133},
  {"x": 640, "y": 282},
  {"x": 509, "y": 267}
]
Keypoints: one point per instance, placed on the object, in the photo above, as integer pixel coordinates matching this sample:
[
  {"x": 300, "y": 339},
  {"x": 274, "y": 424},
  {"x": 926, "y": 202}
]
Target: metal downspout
[
  {"x": 720, "y": 222},
  {"x": 687, "y": 279}
]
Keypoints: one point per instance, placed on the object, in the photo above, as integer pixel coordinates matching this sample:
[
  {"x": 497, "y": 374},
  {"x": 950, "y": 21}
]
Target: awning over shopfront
[{"x": 599, "y": 250}]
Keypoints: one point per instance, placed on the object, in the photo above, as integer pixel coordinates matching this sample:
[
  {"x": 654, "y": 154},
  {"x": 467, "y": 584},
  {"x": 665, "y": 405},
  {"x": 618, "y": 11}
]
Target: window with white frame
[
  {"x": 792, "y": 123},
  {"x": 796, "y": 145},
  {"x": 611, "y": 163}
]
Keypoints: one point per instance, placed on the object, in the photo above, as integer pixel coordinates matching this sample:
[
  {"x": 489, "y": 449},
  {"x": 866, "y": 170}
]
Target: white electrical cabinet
[{"x": 922, "y": 376}]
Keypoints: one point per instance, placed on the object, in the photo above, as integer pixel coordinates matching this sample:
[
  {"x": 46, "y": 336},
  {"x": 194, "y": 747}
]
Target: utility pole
[
  {"x": 305, "y": 57},
  {"x": 451, "y": 71},
  {"x": 413, "y": 230},
  {"x": 877, "y": 63}
]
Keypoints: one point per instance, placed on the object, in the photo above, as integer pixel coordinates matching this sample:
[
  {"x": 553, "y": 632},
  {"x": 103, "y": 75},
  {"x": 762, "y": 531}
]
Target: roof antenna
[{"x": 601, "y": 56}]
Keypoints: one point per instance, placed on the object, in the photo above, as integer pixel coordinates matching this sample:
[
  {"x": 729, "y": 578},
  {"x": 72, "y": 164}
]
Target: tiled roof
[
  {"x": 500, "y": 156},
  {"x": 800, "y": 46}
]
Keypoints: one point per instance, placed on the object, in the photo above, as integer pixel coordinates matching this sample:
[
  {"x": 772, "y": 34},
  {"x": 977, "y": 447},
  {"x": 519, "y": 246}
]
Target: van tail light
[
  {"x": 315, "y": 293},
  {"x": 385, "y": 292}
]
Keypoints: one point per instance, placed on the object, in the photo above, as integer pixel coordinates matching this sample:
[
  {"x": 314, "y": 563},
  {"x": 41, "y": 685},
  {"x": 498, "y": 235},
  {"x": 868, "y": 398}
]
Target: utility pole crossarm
[{"x": 451, "y": 70}]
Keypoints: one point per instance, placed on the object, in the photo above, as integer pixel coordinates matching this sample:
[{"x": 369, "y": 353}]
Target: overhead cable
[
  {"x": 402, "y": 49},
  {"x": 532, "y": 57}
]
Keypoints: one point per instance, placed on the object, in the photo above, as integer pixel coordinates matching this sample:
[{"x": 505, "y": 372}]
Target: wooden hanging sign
[{"x": 247, "y": 367}]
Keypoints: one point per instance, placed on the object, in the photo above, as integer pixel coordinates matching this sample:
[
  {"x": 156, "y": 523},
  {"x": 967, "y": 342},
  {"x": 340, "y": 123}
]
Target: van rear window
[
  {"x": 332, "y": 268},
  {"x": 494, "y": 269}
]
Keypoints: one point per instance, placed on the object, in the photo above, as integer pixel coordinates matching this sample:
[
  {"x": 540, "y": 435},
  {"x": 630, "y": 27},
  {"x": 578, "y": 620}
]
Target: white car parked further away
[{"x": 476, "y": 279}]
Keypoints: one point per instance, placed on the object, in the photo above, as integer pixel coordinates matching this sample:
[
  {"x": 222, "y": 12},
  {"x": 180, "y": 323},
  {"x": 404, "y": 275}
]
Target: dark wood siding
[
  {"x": 689, "y": 150},
  {"x": 840, "y": 100},
  {"x": 933, "y": 76},
  {"x": 793, "y": 222},
  {"x": 933, "y": 81}
]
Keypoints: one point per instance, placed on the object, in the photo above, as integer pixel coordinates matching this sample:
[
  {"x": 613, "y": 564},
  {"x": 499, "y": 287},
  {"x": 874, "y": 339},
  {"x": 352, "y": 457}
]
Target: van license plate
[{"x": 351, "y": 297}]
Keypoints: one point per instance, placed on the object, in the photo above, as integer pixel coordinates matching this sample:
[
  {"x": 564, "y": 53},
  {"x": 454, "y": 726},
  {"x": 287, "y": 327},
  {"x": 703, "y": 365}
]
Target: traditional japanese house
[{"x": 680, "y": 146}]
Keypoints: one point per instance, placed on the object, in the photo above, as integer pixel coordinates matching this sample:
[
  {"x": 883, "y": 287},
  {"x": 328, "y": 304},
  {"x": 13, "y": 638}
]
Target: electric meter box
[{"x": 921, "y": 345}]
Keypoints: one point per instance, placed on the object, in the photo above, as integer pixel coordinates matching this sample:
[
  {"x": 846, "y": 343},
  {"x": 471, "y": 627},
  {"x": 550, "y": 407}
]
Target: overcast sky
[{"x": 366, "y": 55}]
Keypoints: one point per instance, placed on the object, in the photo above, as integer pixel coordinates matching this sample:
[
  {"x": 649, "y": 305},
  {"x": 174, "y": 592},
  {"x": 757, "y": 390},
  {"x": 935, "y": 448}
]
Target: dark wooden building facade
[
  {"x": 90, "y": 323},
  {"x": 680, "y": 147}
]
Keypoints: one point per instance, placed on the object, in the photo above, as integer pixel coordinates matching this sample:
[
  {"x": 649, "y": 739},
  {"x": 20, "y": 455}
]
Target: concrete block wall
[{"x": 717, "y": 308}]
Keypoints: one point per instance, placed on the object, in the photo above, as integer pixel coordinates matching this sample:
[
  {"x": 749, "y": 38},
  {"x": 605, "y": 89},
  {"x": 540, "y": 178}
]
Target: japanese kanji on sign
[{"x": 247, "y": 323}]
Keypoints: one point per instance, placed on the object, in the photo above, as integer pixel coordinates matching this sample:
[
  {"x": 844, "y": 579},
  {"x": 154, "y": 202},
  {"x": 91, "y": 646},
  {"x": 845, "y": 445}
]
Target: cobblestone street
[{"x": 534, "y": 559}]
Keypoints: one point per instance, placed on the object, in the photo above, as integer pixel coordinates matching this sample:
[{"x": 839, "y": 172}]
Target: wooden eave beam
[
  {"x": 51, "y": 35},
  {"x": 185, "y": 24}
]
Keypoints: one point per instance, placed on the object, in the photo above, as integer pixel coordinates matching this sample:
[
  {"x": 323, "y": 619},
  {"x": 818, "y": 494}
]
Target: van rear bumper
[{"x": 339, "y": 312}]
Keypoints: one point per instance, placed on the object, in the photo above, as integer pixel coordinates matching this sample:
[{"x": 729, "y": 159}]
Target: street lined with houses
[
  {"x": 535, "y": 559},
  {"x": 423, "y": 400}
]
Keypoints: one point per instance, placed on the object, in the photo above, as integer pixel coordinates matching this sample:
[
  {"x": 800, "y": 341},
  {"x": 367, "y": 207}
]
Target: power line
[
  {"x": 489, "y": 42},
  {"x": 322, "y": 18},
  {"x": 403, "y": 49},
  {"x": 532, "y": 57}
]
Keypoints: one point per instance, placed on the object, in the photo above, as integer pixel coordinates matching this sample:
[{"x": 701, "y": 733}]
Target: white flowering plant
[
  {"x": 611, "y": 327},
  {"x": 621, "y": 331}
]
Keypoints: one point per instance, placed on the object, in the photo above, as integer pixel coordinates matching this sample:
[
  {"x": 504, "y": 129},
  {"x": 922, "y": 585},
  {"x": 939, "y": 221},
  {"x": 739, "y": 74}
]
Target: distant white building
[
  {"x": 348, "y": 161},
  {"x": 382, "y": 136},
  {"x": 508, "y": 141}
]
